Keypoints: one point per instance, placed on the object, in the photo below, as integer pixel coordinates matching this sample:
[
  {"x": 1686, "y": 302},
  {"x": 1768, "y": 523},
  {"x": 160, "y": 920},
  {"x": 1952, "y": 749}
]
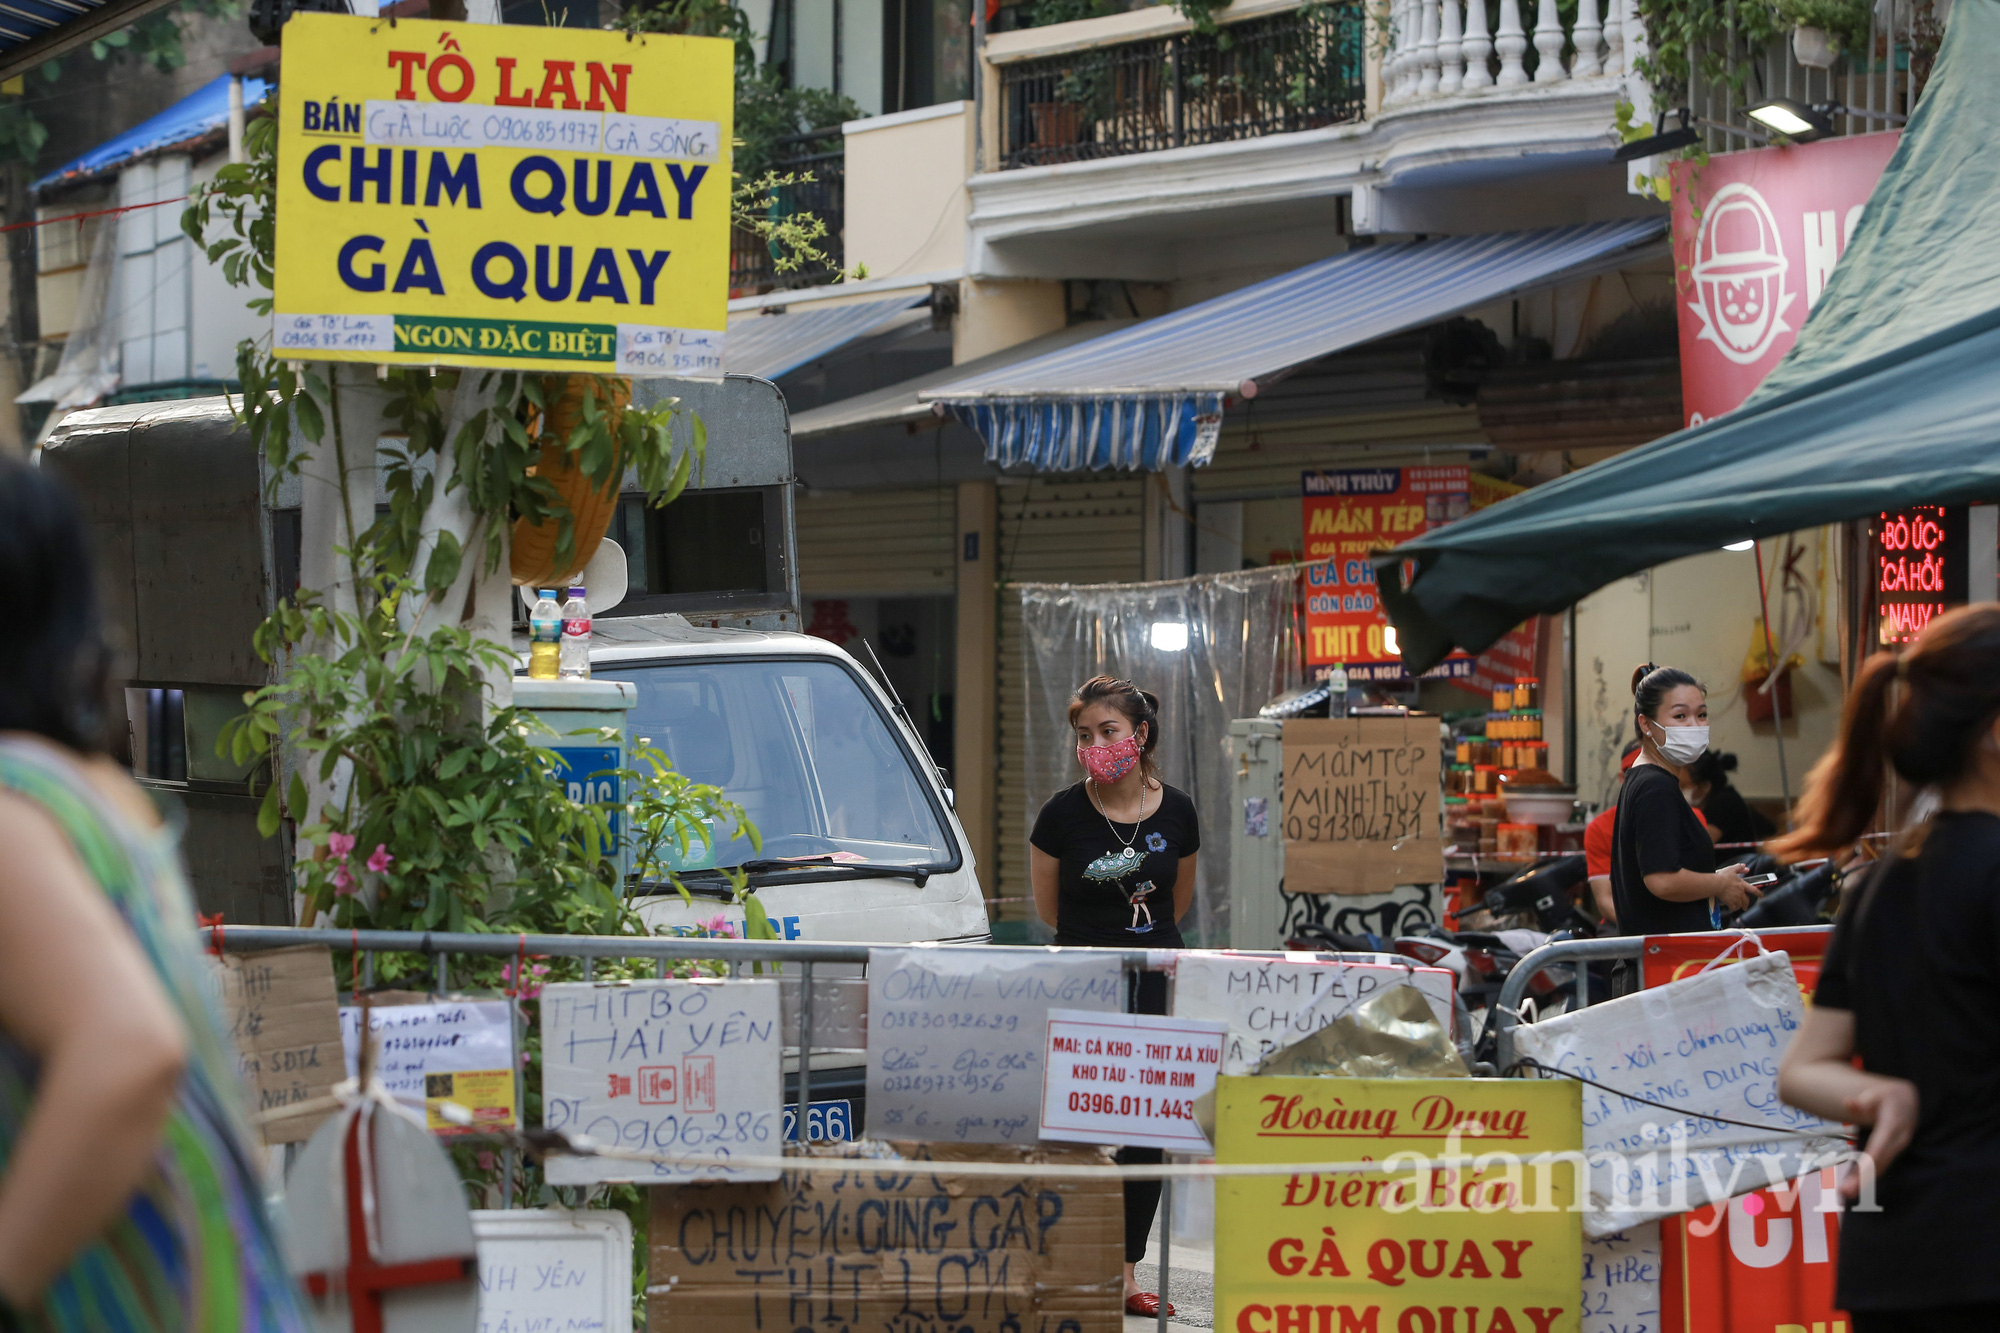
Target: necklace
[{"x": 1128, "y": 854}]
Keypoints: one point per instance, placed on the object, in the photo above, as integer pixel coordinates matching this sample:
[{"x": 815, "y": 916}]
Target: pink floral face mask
[{"x": 1108, "y": 763}]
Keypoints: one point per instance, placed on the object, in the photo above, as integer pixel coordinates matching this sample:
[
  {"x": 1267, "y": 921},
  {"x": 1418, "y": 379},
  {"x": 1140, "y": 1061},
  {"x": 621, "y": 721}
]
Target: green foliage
[
  {"x": 459, "y": 811},
  {"x": 1722, "y": 38},
  {"x": 1846, "y": 20},
  {"x": 1659, "y": 185},
  {"x": 768, "y": 110}
]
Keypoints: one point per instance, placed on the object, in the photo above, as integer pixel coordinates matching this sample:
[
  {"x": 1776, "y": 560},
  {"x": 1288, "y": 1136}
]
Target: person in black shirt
[
  {"x": 1663, "y": 873},
  {"x": 1908, "y": 981},
  {"x": 1112, "y": 860},
  {"x": 1721, "y": 804}
]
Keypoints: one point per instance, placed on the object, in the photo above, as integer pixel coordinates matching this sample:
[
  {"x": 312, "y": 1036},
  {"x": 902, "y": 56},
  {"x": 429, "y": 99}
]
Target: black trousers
[
  {"x": 1940, "y": 1319},
  {"x": 1142, "y": 1197}
]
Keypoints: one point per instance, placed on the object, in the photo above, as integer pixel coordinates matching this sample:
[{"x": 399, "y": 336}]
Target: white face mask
[{"x": 1681, "y": 746}]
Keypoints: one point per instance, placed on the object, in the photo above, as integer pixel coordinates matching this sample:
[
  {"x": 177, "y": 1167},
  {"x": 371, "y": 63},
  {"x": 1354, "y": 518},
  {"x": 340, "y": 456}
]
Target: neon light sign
[{"x": 1920, "y": 568}]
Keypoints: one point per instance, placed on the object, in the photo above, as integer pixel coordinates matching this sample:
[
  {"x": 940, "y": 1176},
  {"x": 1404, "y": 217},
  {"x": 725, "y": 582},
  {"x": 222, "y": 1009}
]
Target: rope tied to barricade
[{"x": 1775, "y": 1131}]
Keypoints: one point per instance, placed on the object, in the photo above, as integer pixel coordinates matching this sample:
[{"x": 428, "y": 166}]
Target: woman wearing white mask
[{"x": 1663, "y": 875}]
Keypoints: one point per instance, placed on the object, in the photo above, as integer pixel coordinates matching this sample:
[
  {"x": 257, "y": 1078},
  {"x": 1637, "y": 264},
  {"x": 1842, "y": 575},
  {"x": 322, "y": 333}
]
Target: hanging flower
[
  {"x": 382, "y": 858},
  {"x": 340, "y": 844},
  {"x": 343, "y": 883}
]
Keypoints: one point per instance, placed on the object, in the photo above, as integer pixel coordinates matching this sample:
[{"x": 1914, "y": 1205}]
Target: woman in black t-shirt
[
  {"x": 1112, "y": 861},
  {"x": 1663, "y": 874},
  {"x": 1908, "y": 982}
]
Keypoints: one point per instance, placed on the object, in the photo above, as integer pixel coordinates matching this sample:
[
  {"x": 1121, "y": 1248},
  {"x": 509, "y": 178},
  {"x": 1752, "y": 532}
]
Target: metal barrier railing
[{"x": 1514, "y": 989}]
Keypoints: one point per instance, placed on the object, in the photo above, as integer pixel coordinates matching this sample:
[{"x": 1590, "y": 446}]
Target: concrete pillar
[{"x": 976, "y": 775}]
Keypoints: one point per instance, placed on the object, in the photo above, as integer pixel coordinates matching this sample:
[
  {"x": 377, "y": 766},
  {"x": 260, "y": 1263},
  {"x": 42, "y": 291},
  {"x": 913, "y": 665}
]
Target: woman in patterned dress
[{"x": 130, "y": 1191}]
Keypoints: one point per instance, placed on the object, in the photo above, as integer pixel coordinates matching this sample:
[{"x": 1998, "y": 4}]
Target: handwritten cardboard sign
[
  {"x": 553, "y": 1269},
  {"x": 1411, "y": 1247},
  {"x": 284, "y": 1021},
  {"x": 904, "y": 1246},
  {"x": 1269, "y": 1003},
  {"x": 1361, "y": 804},
  {"x": 686, "y": 1071},
  {"x": 1621, "y": 1282},
  {"x": 1128, "y": 1079},
  {"x": 1707, "y": 1045},
  {"x": 955, "y": 1038},
  {"x": 429, "y": 1052}
]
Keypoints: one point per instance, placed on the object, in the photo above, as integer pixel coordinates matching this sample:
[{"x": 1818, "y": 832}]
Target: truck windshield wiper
[{"x": 820, "y": 865}]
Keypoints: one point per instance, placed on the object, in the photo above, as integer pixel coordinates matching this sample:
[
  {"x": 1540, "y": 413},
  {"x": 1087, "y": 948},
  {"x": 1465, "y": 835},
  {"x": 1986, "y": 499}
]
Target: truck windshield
[{"x": 799, "y": 746}]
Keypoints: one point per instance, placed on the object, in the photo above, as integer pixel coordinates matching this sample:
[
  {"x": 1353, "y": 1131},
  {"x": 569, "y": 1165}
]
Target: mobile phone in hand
[{"x": 1759, "y": 881}]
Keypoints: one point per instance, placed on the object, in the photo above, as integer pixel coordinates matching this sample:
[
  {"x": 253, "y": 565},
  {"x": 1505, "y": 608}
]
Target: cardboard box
[
  {"x": 284, "y": 1023},
  {"x": 1361, "y": 804},
  {"x": 897, "y": 1246}
]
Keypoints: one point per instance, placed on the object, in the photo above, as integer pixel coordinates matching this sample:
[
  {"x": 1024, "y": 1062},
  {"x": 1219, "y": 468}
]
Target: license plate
[{"x": 829, "y": 1121}]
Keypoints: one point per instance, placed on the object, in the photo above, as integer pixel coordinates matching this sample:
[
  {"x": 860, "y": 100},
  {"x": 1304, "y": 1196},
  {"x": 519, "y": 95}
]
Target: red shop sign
[{"x": 1756, "y": 235}]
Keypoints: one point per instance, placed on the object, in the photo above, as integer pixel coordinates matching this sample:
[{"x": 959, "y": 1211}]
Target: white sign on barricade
[
  {"x": 687, "y": 1070},
  {"x": 427, "y": 1054},
  {"x": 1708, "y": 1046},
  {"x": 955, "y": 1037},
  {"x": 1621, "y": 1281},
  {"x": 1128, "y": 1079},
  {"x": 1269, "y": 1003},
  {"x": 552, "y": 1269}
]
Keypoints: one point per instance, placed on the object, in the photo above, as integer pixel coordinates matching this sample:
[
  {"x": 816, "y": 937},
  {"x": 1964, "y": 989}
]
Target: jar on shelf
[{"x": 1527, "y": 692}]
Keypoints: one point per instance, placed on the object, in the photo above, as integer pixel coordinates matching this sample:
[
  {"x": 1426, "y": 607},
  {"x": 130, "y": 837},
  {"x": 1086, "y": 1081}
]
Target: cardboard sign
[
  {"x": 524, "y": 198},
  {"x": 554, "y": 1269},
  {"x": 894, "y": 1245},
  {"x": 1128, "y": 1079},
  {"x": 429, "y": 1052},
  {"x": 1621, "y": 1282},
  {"x": 1764, "y": 1260},
  {"x": 1756, "y": 234},
  {"x": 284, "y": 1022},
  {"x": 1362, "y": 800},
  {"x": 1349, "y": 514},
  {"x": 1672, "y": 957},
  {"x": 1493, "y": 1249},
  {"x": 1269, "y": 1003},
  {"x": 955, "y": 1039},
  {"x": 685, "y": 1070},
  {"x": 1706, "y": 1045}
]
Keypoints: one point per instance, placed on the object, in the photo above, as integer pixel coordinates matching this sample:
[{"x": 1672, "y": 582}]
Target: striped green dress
[{"x": 195, "y": 1249}]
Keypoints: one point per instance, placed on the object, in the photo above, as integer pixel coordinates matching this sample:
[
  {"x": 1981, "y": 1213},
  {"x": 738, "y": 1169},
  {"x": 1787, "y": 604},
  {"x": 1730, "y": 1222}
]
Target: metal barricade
[{"x": 1514, "y": 989}]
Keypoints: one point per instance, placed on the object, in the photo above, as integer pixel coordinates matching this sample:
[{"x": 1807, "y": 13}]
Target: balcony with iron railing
[
  {"x": 1139, "y": 126},
  {"x": 1287, "y": 72},
  {"x": 817, "y": 163}
]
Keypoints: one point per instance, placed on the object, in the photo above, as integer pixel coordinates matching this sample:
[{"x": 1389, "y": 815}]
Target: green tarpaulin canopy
[{"x": 1890, "y": 397}]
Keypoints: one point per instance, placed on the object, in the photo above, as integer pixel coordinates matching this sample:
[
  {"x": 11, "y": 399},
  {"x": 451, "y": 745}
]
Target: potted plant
[{"x": 1822, "y": 29}]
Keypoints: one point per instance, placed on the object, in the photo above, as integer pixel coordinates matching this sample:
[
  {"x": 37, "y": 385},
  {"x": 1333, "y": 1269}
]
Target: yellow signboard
[
  {"x": 508, "y": 196},
  {"x": 1494, "y": 1247}
]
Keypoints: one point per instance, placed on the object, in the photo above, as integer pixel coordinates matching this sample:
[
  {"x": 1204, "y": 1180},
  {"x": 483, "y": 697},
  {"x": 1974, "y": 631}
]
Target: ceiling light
[
  {"x": 1170, "y": 636},
  {"x": 1743, "y": 545},
  {"x": 1662, "y": 140},
  {"x": 1794, "y": 120}
]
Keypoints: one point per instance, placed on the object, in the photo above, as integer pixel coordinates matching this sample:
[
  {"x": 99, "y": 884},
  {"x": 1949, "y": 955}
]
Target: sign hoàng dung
[{"x": 522, "y": 198}]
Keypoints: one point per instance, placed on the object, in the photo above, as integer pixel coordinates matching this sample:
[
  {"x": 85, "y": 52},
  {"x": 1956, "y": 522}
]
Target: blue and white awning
[
  {"x": 769, "y": 345},
  {"x": 1151, "y": 396},
  {"x": 201, "y": 112}
]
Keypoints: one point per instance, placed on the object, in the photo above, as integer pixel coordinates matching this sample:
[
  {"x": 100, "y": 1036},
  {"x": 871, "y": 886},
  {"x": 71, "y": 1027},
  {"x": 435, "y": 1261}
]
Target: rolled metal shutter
[{"x": 878, "y": 543}]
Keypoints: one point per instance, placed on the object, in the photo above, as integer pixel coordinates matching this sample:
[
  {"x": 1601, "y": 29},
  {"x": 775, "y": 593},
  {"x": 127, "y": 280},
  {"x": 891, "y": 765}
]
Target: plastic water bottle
[
  {"x": 544, "y": 637},
  {"x": 576, "y": 636},
  {"x": 1336, "y": 690}
]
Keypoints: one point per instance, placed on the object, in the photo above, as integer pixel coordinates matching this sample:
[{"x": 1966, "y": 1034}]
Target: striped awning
[
  {"x": 1151, "y": 396},
  {"x": 769, "y": 345}
]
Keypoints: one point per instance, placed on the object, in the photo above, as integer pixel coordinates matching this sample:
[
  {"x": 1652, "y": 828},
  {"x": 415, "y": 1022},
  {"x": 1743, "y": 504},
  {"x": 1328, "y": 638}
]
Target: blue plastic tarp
[{"x": 200, "y": 112}]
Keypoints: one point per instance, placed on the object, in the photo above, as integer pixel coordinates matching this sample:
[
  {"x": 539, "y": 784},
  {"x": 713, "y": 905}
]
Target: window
[{"x": 804, "y": 749}]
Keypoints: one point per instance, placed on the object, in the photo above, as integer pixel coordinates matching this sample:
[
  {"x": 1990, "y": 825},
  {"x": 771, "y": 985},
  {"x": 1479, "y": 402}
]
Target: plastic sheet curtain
[{"x": 1241, "y": 648}]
